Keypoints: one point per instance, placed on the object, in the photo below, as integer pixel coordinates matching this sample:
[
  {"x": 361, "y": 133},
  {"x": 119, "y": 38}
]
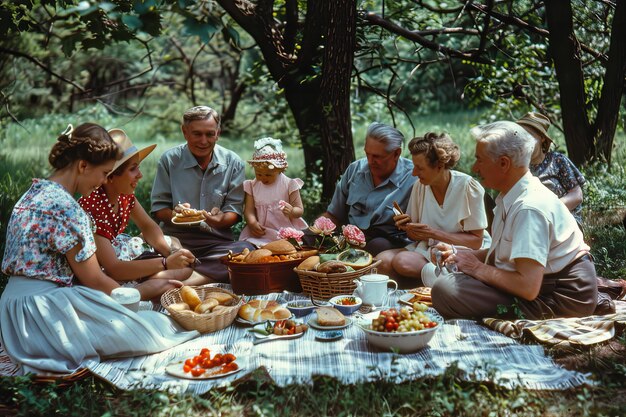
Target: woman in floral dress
[
  {"x": 554, "y": 169},
  {"x": 56, "y": 315}
]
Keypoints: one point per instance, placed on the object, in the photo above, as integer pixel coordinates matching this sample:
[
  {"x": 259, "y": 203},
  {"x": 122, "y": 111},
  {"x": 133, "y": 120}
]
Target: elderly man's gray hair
[
  {"x": 506, "y": 138},
  {"x": 390, "y": 136},
  {"x": 201, "y": 113}
]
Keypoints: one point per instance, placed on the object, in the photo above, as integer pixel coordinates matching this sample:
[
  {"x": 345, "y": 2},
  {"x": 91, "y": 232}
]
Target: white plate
[
  {"x": 275, "y": 336},
  {"x": 194, "y": 223},
  {"x": 176, "y": 369},
  {"x": 313, "y": 323},
  {"x": 406, "y": 300}
]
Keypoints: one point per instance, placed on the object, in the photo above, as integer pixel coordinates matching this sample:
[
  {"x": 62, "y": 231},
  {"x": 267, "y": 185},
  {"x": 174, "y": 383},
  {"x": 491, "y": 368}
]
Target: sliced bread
[{"x": 329, "y": 316}]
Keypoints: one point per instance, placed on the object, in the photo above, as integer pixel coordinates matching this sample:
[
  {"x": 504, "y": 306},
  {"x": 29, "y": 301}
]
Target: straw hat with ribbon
[
  {"x": 268, "y": 153},
  {"x": 126, "y": 146},
  {"x": 539, "y": 124}
]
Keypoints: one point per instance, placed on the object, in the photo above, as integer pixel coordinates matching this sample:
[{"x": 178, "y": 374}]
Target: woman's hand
[
  {"x": 418, "y": 231},
  {"x": 180, "y": 259}
]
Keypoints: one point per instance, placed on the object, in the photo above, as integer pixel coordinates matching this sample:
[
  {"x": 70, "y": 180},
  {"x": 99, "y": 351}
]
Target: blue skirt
[{"x": 47, "y": 329}]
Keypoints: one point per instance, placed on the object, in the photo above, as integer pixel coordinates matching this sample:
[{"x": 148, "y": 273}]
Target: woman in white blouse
[{"x": 445, "y": 206}]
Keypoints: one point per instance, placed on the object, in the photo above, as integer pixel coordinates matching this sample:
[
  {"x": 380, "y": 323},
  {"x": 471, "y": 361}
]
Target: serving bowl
[
  {"x": 403, "y": 342},
  {"x": 300, "y": 308},
  {"x": 346, "y": 308}
]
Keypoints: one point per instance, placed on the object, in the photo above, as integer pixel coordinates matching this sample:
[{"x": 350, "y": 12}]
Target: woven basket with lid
[{"x": 204, "y": 323}]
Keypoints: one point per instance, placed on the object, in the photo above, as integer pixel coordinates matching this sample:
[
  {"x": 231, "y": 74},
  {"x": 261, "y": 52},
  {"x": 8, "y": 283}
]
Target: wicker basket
[
  {"x": 325, "y": 286},
  {"x": 263, "y": 278},
  {"x": 204, "y": 323}
]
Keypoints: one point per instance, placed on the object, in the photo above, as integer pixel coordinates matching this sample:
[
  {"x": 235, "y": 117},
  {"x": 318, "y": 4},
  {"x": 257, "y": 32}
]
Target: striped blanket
[{"x": 480, "y": 353}]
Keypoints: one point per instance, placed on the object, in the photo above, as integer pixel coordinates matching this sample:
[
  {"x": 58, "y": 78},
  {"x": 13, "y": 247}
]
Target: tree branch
[{"x": 416, "y": 36}]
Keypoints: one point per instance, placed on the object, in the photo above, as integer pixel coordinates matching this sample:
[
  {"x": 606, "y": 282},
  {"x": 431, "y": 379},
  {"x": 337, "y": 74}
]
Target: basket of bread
[
  {"x": 267, "y": 269},
  {"x": 328, "y": 275},
  {"x": 204, "y": 308}
]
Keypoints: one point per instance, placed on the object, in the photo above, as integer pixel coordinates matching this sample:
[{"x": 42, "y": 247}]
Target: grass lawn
[{"x": 23, "y": 155}]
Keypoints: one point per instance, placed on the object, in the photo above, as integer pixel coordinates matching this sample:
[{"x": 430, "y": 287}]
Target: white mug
[{"x": 372, "y": 288}]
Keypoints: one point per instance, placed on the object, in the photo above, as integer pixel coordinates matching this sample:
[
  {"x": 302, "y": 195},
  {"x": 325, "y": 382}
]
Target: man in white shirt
[{"x": 538, "y": 264}]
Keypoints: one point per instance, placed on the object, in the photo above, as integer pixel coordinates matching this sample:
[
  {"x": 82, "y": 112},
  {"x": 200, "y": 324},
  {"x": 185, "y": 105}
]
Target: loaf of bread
[
  {"x": 190, "y": 296},
  {"x": 280, "y": 247},
  {"x": 255, "y": 255},
  {"x": 259, "y": 310},
  {"x": 329, "y": 316},
  {"x": 309, "y": 263},
  {"x": 221, "y": 297},
  {"x": 332, "y": 267},
  {"x": 206, "y": 306},
  {"x": 180, "y": 307}
]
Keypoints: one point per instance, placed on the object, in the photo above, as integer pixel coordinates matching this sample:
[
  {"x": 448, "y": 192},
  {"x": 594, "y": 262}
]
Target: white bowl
[
  {"x": 346, "y": 309},
  {"x": 403, "y": 342}
]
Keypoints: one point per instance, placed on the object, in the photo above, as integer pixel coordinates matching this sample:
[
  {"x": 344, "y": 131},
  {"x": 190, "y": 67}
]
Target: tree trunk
[
  {"x": 565, "y": 51},
  {"x": 336, "y": 127},
  {"x": 613, "y": 87}
]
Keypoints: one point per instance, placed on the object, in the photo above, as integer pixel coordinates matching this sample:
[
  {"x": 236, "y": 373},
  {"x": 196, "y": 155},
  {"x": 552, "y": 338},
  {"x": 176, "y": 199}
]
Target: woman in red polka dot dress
[{"x": 111, "y": 207}]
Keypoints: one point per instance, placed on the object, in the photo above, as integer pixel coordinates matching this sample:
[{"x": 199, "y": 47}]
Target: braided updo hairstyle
[
  {"x": 89, "y": 142},
  {"x": 437, "y": 148}
]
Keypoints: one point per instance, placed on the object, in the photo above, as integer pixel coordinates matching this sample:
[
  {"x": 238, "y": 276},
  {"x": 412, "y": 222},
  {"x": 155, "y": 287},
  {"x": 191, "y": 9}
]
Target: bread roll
[
  {"x": 260, "y": 310},
  {"x": 309, "y": 263},
  {"x": 255, "y": 255},
  {"x": 206, "y": 306},
  {"x": 179, "y": 307},
  {"x": 280, "y": 247},
  {"x": 221, "y": 297},
  {"x": 190, "y": 296}
]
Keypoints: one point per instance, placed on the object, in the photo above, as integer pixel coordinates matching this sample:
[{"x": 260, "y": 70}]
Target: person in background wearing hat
[
  {"x": 554, "y": 169},
  {"x": 111, "y": 206},
  {"x": 272, "y": 199},
  {"x": 538, "y": 263},
  {"x": 202, "y": 175},
  {"x": 365, "y": 193}
]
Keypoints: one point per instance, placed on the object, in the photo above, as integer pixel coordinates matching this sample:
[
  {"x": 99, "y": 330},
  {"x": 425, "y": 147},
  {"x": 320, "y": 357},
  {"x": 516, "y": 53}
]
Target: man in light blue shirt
[
  {"x": 365, "y": 193},
  {"x": 202, "y": 175}
]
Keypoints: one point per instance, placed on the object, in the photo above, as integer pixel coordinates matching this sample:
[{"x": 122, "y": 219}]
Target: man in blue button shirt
[
  {"x": 365, "y": 193},
  {"x": 202, "y": 175}
]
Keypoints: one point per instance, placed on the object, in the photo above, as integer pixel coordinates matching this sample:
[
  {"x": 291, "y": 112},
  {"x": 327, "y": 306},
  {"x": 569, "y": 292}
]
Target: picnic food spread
[
  {"x": 191, "y": 301},
  {"x": 259, "y": 310}
]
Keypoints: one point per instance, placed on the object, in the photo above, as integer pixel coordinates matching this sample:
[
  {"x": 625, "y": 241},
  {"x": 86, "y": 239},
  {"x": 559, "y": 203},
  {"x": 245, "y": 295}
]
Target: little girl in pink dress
[{"x": 272, "y": 199}]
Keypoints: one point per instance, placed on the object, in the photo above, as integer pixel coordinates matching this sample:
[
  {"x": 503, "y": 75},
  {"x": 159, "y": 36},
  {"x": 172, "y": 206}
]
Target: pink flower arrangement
[
  {"x": 353, "y": 235},
  {"x": 323, "y": 226},
  {"x": 290, "y": 233}
]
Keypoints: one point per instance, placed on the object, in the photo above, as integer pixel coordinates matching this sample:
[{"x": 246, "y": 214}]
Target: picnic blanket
[
  {"x": 481, "y": 354},
  {"x": 580, "y": 331}
]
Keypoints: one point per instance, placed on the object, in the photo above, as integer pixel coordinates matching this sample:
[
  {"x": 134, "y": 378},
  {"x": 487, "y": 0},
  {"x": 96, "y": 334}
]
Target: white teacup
[
  {"x": 372, "y": 288},
  {"x": 128, "y": 297}
]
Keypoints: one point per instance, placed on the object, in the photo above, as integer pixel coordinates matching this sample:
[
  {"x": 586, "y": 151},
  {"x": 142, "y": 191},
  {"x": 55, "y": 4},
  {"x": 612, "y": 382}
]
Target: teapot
[{"x": 372, "y": 288}]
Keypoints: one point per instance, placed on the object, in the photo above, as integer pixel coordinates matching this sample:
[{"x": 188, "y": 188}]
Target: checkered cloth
[
  {"x": 575, "y": 331},
  {"x": 478, "y": 352}
]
